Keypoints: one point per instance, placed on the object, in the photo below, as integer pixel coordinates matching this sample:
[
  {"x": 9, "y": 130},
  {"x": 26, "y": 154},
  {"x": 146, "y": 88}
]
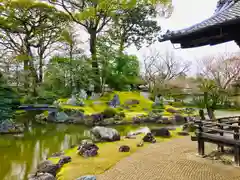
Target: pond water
[{"x": 19, "y": 155}]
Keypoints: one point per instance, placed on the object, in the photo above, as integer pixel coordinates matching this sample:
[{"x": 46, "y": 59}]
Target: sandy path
[{"x": 172, "y": 160}]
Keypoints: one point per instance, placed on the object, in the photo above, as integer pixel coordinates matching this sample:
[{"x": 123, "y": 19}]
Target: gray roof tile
[{"x": 221, "y": 16}]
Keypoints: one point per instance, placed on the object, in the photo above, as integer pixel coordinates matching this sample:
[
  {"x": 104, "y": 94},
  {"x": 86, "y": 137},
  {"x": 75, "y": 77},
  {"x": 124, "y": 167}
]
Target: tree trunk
[
  {"x": 71, "y": 66},
  {"x": 210, "y": 112},
  {"x": 201, "y": 114},
  {"x": 26, "y": 74},
  {"x": 93, "y": 50},
  {"x": 121, "y": 46},
  {"x": 33, "y": 73},
  {"x": 40, "y": 68}
]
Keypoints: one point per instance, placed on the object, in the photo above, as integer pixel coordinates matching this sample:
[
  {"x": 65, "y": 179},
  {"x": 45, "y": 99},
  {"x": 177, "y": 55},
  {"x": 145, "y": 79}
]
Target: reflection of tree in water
[
  {"x": 36, "y": 145},
  {"x": 40, "y": 141}
]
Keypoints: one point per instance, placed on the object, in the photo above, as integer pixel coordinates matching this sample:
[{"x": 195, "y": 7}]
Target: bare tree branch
[
  {"x": 158, "y": 68},
  {"x": 223, "y": 68}
]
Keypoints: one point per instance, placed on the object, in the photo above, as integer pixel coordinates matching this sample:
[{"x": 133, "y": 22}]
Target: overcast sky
[{"x": 185, "y": 14}]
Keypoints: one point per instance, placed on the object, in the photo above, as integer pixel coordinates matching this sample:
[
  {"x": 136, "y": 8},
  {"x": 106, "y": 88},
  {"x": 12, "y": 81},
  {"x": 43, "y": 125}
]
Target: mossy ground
[
  {"x": 108, "y": 157},
  {"x": 143, "y": 108}
]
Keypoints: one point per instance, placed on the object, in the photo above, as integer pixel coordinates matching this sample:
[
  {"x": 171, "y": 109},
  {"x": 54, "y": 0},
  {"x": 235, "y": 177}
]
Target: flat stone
[
  {"x": 88, "y": 177},
  {"x": 162, "y": 132},
  {"x": 183, "y": 133}
]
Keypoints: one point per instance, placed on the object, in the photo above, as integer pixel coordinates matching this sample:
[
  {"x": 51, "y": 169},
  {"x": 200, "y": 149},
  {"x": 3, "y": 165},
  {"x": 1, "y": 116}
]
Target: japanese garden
[{"x": 77, "y": 104}]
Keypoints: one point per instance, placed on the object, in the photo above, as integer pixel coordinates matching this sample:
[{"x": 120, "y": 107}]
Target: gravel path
[{"x": 172, "y": 160}]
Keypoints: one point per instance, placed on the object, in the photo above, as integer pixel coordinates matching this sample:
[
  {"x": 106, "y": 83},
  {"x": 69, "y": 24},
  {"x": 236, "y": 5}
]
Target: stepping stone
[{"x": 183, "y": 133}]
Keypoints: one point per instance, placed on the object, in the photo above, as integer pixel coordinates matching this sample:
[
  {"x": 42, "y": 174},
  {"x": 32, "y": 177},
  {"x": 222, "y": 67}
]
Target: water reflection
[{"x": 21, "y": 154}]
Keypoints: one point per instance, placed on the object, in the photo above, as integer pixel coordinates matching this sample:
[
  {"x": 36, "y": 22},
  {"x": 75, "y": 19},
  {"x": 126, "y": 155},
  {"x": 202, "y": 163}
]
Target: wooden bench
[{"x": 213, "y": 132}]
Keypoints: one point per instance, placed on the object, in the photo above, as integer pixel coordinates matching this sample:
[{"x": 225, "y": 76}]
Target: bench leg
[
  {"x": 201, "y": 147},
  {"x": 220, "y": 148},
  {"x": 237, "y": 156}
]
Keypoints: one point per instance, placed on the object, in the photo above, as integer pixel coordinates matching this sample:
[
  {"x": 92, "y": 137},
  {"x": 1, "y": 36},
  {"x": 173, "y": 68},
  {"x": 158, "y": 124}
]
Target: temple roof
[{"x": 227, "y": 13}]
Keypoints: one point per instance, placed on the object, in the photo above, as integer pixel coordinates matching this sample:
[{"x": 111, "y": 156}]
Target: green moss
[
  {"x": 109, "y": 112},
  {"x": 143, "y": 108},
  {"x": 92, "y": 108},
  {"x": 108, "y": 157},
  {"x": 20, "y": 111}
]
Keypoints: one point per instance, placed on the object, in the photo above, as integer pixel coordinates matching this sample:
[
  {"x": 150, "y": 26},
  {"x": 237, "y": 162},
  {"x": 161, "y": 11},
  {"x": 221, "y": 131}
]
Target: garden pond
[{"x": 20, "y": 154}]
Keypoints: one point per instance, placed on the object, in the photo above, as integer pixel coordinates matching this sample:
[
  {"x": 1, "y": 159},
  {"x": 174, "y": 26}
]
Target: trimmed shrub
[
  {"x": 177, "y": 104},
  {"x": 109, "y": 113},
  {"x": 122, "y": 114},
  {"x": 157, "y": 110},
  {"x": 172, "y": 110}
]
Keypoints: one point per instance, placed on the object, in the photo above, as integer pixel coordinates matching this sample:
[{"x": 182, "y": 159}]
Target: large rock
[
  {"x": 115, "y": 101},
  {"x": 132, "y": 102},
  {"x": 164, "y": 120},
  {"x": 137, "y": 120},
  {"x": 154, "y": 117},
  {"x": 53, "y": 117},
  {"x": 64, "y": 160},
  {"x": 162, "y": 132},
  {"x": 88, "y": 149},
  {"x": 87, "y": 177},
  {"x": 72, "y": 101},
  {"x": 149, "y": 138},
  {"x": 179, "y": 119},
  {"x": 105, "y": 134},
  {"x": 124, "y": 148},
  {"x": 48, "y": 167},
  {"x": 41, "y": 176},
  {"x": 61, "y": 117},
  {"x": 9, "y": 126},
  {"x": 143, "y": 130},
  {"x": 97, "y": 118}
]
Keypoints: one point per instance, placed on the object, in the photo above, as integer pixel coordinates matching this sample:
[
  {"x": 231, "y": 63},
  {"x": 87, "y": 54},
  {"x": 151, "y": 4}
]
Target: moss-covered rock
[{"x": 138, "y": 111}]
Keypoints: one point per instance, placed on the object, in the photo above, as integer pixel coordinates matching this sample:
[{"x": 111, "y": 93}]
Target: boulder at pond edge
[{"x": 105, "y": 134}]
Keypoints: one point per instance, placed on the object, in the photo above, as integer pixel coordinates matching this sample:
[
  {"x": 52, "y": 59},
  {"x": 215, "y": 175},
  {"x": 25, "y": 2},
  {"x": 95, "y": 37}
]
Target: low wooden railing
[{"x": 213, "y": 131}]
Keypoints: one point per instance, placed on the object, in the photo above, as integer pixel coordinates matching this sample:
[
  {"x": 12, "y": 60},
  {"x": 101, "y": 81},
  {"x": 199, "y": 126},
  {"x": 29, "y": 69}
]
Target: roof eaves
[{"x": 230, "y": 14}]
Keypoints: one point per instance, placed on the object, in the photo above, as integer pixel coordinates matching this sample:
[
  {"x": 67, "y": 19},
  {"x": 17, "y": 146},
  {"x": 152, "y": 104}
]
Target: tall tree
[
  {"x": 26, "y": 25},
  {"x": 117, "y": 70},
  {"x": 69, "y": 39},
  {"x": 94, "y": 15},
  {"x": 135, "y": 26}
]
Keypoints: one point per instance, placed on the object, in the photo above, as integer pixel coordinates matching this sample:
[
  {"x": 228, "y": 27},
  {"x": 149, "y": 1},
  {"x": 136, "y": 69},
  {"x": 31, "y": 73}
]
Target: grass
[{"x": 108, "y": 157}]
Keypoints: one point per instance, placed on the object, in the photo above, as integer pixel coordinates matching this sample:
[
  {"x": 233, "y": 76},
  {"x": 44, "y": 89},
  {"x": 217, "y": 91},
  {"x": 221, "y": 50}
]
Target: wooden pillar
[
  {"x": 200, "y": 140},
  {"x": 236, "y": 148},
  {"x": 220, "y": 147}
]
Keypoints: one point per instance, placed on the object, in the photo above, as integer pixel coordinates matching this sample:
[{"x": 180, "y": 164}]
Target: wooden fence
[{"x": 223, "y": 132}]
